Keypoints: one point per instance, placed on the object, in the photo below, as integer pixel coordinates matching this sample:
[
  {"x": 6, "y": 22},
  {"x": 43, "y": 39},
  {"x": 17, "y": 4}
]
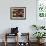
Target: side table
[{"x": 9, "y": 34}]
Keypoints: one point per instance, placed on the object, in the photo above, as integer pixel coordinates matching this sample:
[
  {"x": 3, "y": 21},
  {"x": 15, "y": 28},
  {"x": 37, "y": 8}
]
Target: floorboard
[{"x": 13, "y": 44}]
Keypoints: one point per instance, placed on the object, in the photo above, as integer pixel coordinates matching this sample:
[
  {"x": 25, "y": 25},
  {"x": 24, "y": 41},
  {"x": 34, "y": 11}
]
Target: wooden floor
[{"x": 13, "y": 44}]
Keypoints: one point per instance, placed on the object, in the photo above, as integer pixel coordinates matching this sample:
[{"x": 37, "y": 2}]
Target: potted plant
[{"x": 39, "y": 35}]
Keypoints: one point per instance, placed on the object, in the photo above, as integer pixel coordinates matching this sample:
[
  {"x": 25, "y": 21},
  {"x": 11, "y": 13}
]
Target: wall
[{"x": 24, "y": 25}]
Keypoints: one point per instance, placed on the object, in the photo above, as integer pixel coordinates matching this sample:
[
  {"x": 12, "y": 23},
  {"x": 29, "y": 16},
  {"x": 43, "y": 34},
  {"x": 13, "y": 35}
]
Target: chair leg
[
  {"x": 5, "y": 43},
  {"x": 5, "y": 40},
  {"x": 17, "y": 39}
]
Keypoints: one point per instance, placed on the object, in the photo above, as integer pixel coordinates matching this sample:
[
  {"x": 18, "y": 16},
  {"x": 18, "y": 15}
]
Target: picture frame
[
  {"x": 41, "y": 12},
  {"x": 18, "y": 13},
  {"x": 41, "y": 9}
]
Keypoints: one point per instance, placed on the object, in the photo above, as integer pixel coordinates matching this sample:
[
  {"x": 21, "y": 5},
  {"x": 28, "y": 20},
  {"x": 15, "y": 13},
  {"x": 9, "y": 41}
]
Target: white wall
[{"x": 24, "y": 25}]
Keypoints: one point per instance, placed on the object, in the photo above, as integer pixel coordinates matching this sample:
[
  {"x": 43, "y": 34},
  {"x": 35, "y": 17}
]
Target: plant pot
[{"x": 40, "y": 41}]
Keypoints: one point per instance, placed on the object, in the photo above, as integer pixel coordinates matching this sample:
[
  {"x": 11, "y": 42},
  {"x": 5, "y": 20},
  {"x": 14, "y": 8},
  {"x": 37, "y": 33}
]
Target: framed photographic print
[
  {"x": 41, "y": 8},
  {"x": 18, "y": 13},
  {"x": 41, "y": 12}
]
